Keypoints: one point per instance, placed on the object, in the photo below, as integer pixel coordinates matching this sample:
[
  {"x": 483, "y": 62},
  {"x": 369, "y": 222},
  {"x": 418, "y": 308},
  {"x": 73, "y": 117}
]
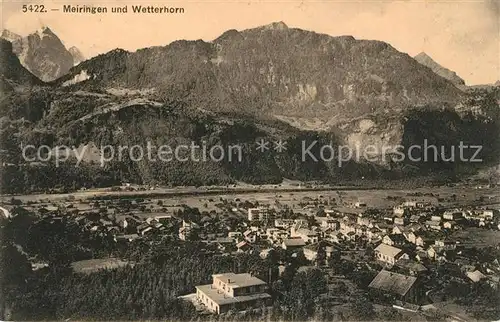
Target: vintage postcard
[{"x": 271, "y": 160}]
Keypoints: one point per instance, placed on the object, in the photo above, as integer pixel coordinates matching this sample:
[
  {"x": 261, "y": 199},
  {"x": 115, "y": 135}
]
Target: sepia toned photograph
[{"x": 272, "y": 160}]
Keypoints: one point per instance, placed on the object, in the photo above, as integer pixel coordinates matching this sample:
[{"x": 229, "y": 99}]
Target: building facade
[{"x": 231, "y": 291}]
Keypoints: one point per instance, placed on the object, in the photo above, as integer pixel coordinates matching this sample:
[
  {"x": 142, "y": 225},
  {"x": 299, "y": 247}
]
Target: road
[{"x": 5, "y": 212}]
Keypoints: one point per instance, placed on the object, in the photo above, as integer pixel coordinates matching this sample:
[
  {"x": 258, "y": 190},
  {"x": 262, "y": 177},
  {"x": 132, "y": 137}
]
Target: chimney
[{"x": 228, "y": 281}]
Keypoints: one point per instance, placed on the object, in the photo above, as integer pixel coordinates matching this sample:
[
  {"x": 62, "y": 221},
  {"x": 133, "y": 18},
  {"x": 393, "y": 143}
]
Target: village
[{"x": 413, "y": 246}]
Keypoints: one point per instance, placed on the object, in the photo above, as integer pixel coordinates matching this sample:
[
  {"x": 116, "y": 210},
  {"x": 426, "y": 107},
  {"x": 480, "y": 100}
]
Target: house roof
[
  {"x": 241, "y": 244},
  {"x": 224, "y": 240},
  {"x": 397, "y": 238},
  {"x": 415, "y": 217},
  {"x": 475, "y": 276},
  {"x": 129, "y": 236},
  {"x": 388, "y": 250},
  {"x": 222, "y": 299},
  {"x": 411, "y": 265},
  {"x": 393, "y": 282},
  {"x": 294, "y": 242},
  {"x": 306, "y": 232},
  {"x": 239, "y": 280}
]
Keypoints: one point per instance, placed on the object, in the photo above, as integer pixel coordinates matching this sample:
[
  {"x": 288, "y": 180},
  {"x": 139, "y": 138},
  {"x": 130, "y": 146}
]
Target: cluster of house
[
  {"x": 126, "y": 228},
  {"x": 405, "y": 242},
  {"x": 417, "y": 222},
  {"x": 413, "y": 224}
]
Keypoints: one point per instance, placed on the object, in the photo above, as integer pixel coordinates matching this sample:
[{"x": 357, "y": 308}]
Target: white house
[{"x": 389, "y": 254}]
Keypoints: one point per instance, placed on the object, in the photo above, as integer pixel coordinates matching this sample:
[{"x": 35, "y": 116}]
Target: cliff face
[
  {"x": 12, "y": 72},
  {"x": 42, "y": 53}
]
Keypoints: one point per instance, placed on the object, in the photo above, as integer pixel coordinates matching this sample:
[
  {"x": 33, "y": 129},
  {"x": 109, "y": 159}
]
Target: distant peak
[
  {"x": 74, "y": 49},
  {"x": 422, "y": 55},
  {"x": 450, "y": 75},
  {"x": 280, "y": 25},
  {"x": 44, "y": 31},
  {"x": 425, "y": 59},
  {"x": 9, "y": 35},
  {"x": 77, "y": 55}
]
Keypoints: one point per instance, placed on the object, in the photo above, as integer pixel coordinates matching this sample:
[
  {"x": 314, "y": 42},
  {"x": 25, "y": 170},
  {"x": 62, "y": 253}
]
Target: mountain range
[
  {"x": 43, "y": 53},
  {"x": 275, "y": 70},
  {"x": 269, "y": 82}
]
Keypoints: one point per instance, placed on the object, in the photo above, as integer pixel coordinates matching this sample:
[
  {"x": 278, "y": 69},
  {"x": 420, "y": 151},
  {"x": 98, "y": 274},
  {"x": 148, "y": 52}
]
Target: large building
[
  {"x": 258, "y": 214},
  {"x": 389, "y": 254},
  {"x": 400, "y": 287},
  {"x": 233, "y": 291}
]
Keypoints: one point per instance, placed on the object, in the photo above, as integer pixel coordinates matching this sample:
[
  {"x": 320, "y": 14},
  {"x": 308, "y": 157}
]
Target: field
[
  {"x": 477, "y": 237},
  {"x": 283, "y": 196}
]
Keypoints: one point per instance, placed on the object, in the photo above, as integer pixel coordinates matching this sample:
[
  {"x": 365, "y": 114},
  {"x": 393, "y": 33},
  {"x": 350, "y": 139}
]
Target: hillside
[
  {"x": 275, "y": 71},
  {"x": 91, "y": 119},
  {"x": 269, "y": 82},
  {"x": 312, "y": 81}
]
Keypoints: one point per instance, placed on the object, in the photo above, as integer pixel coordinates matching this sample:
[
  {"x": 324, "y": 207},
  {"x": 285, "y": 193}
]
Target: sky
[{"x": 462, "y": 35}]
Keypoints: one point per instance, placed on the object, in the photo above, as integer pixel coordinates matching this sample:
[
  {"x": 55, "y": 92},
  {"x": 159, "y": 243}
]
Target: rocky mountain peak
[
  {"x": 450, "y": 75},
  {"x": 77, "y": 55},
  {"x": 423, "y": 56},
  {"x": 11, "y": 70},
  {"x": 280, "y": 25},
  {"x": 5, "y": 46},
  {"x": 10, "y": 36},
  {"x": 42, "y": 53},
  {"x": 45, "y": 31}
]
